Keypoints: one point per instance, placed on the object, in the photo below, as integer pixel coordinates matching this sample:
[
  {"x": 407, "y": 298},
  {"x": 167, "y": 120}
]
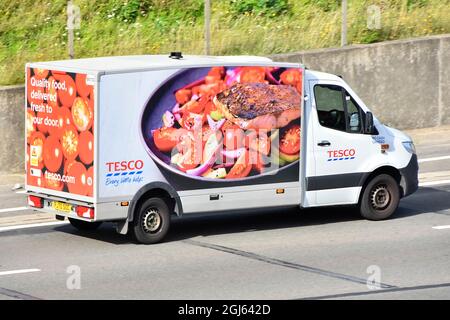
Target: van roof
[{"x": 118, "y": 64}]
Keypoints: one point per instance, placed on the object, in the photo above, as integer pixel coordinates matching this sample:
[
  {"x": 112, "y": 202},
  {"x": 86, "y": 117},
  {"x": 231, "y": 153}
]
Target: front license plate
[{"x": 61, "y": 206}]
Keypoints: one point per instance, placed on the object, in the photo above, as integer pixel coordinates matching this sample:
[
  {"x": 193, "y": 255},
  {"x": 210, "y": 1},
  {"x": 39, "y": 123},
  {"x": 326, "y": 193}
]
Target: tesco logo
[
  {"x": 125, "y": 165},
  {"x": 341, "y": 153}
]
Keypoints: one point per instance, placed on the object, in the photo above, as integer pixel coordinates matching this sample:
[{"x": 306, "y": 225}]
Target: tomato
[
  {"x": 217, "y": 71},
  {"x": 183, "y": 95},
  {"x": 258, "y": 141},
  {"x": 252, "y": 74},
  {"x": 68, "y": 94},
  {"x": 91, "y": 108},
  {"x": 241, "y": 168},
  {"x": 64, "y": 119},
  {"x": 53, "y": 184},
  {"x": 37, "y": 139},
  {"x": 86, "y": 147},
  {"x": 166, "y": 138},
  {"x": 70, "y": 142},
  {"x": 193, "y": 106},
  {"x": 90, "y": 181},
  {"x": 290, "y": 140},
  {"x": 233, "y": 137},
  {"x": 78, "y": 171},
  {"x": 82, "y": 88},
  {"x": 192, "y": 121},
  {"x": 31, "y": 127},
  {"x": 212, "y": 79},
  {"x": 52, "y": 153},
  {"x": 51, "y": 91},
  {"x": 34, "y": 93},
  {"x": 54, "y": 126},
  {"x": 81, "y": 115},
  {"x": 292, "y": 77},
  {"x": 40, "y": 73},
  {"x": 188, "y": 162},
  {"x": 35, "y": 181}
]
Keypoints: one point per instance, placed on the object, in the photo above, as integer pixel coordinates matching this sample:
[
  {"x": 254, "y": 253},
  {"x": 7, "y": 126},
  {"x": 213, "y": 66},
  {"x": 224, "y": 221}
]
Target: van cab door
[{"x": 342, "y": 151}]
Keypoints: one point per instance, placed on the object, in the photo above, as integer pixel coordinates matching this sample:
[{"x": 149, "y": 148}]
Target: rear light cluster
[
  {"x": 36, "y": 202},
  {"x": 85, "y": 212}
]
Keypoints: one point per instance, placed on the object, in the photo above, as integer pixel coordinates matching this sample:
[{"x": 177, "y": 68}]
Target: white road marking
[
  {"x": 433, "y": 183},
  {"x": 21, "y": 191},
  {"x": 5, "y": 273},
  {"x": 441, "y": 227},
  {"x": 32, "y": 225},
  {"x": 434, "y": 159},
  {"x": 13, "y": 209}
]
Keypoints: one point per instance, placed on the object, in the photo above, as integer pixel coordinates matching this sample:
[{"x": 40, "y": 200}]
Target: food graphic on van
[{"x": 229, "y": 122}]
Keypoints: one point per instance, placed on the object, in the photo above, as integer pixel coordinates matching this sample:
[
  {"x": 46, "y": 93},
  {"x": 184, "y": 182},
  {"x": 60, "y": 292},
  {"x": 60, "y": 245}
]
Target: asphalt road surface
[{"x": 327, "y": 253}]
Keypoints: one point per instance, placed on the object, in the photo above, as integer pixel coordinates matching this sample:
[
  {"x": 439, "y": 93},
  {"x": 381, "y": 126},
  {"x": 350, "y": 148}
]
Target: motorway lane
[
  {"x": 267, "y": 255},
  {"x": 290, "y": 254}
]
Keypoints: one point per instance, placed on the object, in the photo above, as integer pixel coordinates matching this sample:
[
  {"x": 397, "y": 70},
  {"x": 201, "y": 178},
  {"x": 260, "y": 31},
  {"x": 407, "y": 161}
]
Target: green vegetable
[
  {"x": 216, "y": 115},
  {"x": 289, "y": 157}
]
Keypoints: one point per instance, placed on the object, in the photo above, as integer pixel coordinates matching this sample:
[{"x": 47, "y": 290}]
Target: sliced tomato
[
  {"x": 37, "y": 139},
  {"x": 290, "y": 140},
  {"x": 82, "y": 88},
  {"x": 52, "y": 92},
  {"x": 183, "y": 95},
  {"x": 86, "y": 147},
  {"x": 90, "y": 181},
  {"x": 31, "y": 127},
  {"x": 70, "y": 142},
  {"x": 64, "y": 119},
  {"x": 53, "y": 154},
  {"x": 81, "y": 115},
  {"x": 53, "y": 183},
  {"x": 40, "y": 73},
  {"x": 241, "y": 168},
  {"x": 167, "y": 138},
  {"x": 214, "y": 78},
  {"x": 79, "y": 185},
  {"x": 252, "y": 74}
]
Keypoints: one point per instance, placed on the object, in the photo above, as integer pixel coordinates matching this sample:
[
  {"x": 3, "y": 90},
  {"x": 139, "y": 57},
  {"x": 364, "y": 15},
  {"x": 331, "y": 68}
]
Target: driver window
[
  {"x": 330, "y": 106},
  {"x": 354, "y": 115}
]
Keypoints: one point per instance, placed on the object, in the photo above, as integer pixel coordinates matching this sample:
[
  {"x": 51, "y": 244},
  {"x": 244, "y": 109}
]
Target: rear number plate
[{"x": 61, "y": 206}]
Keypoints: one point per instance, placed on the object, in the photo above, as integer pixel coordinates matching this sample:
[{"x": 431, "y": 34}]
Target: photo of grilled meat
[{"x": 259, "y": 105}]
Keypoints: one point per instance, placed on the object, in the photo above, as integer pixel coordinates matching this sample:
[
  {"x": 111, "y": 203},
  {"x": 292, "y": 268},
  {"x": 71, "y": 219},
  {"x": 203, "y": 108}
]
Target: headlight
[{"x": 409, "y": 146}]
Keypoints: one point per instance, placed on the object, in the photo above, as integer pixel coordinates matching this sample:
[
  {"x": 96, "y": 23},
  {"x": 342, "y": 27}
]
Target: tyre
[
  {"x": 151, "y": 221},
  {"x": 84, "y": 225},
  {"x": 380, "y": 198}
]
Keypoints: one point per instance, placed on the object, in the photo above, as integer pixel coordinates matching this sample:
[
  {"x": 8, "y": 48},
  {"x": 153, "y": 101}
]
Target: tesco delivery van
[{"x": 138, "y": 139}]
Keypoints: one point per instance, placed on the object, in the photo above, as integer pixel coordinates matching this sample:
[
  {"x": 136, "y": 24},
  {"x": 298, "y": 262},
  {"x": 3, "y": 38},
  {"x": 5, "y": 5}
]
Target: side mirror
[{"x": 368, "y": 125}]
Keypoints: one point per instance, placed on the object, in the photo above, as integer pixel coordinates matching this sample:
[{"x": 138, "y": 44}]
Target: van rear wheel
[
  {"x": 152, "y": 221},
  {"x": 380, "y": 198},
  {"x": 84, "y": 225}
]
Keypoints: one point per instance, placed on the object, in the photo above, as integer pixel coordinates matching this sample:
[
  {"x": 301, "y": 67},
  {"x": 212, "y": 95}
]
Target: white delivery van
[{"x": 138, "y": 139}]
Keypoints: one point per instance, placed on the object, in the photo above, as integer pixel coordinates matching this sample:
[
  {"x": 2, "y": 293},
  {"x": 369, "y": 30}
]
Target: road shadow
[{"x": 425, "y": 200}]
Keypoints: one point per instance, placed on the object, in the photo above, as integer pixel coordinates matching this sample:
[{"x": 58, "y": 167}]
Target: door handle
[{"x": 324, "y": 143}]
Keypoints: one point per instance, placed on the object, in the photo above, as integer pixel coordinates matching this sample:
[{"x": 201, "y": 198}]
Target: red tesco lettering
[
  {"x": 125, "y": 165},
  {"x": 341, "y": 153}
]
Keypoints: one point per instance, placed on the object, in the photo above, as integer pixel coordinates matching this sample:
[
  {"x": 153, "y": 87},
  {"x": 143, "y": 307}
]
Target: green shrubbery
[{"x": 35, "y": 30}]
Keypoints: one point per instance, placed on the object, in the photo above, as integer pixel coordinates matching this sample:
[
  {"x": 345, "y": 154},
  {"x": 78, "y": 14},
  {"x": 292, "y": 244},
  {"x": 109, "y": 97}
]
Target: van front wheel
[
  {"x": 380, "y": 198},
  {"x": 151, "y": 222}
]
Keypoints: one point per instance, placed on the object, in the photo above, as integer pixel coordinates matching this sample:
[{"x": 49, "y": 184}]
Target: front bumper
[{"x": 410, "y": 177}]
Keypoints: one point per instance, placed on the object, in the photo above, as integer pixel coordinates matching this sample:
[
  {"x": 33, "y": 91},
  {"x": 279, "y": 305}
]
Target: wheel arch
[
  {"x": 389, "y": 170},
  {"x": 157, "y": 189}
]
